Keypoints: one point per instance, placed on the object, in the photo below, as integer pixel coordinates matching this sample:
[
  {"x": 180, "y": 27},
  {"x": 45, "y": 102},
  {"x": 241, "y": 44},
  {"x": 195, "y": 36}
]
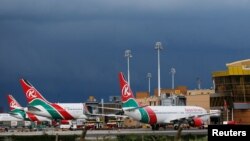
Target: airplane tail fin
[
  {"x": 13, "y": 104},
  {"x": 30, "y": 91},
  {"x": 127, "y": 96}
]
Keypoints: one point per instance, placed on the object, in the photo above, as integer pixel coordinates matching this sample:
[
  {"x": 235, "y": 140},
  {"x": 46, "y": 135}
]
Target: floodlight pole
[
  {"x": 128, "y": 55},
  {"x": 173, "y": 71},
  {"x": 158, "y": 47},
  {"x": 149, "y": 77}
]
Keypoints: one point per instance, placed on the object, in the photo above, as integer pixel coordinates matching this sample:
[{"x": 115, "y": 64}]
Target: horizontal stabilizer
[{"x": 19, "y": 108}]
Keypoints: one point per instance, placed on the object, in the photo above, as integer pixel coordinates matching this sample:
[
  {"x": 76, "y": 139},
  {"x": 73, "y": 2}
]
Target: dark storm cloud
[
  {"x": 72, "y": 49},
  {"x": 98, "y": 18},
  {"x": 117, "y": 10}
]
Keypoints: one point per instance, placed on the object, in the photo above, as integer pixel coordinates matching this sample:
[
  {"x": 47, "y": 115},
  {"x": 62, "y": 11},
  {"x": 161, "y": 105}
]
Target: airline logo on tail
[
  {"x": 126, "y": 91},
  {"x": 127, "y": 94},
  {"x": 31, "y": 94},
  {"x": 16, "y": 109},
  {"x": 13, "y": 103},
  {"x": 19, "y": 112},
  {"x": 147, "y": 115},
  {"x": 35, "y": 99}
]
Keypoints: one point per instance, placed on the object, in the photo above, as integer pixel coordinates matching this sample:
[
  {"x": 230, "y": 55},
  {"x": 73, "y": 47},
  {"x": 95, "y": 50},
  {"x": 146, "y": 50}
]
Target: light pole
[
  {"x": 128, "y": 55},
  {"x": 149, "y": 77},
  {"x": 198, "y": 82},
  {"x": 172, "y": 71},
  {"x": 158, "y": 47}
]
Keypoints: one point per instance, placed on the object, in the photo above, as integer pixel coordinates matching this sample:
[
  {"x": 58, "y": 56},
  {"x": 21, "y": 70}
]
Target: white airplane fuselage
[
  {"x": 8, "y": 117},
  {"x": 165, "y": 114},
  {"x": 67, "y": 111},
  {"x": 30, "y": 116}
]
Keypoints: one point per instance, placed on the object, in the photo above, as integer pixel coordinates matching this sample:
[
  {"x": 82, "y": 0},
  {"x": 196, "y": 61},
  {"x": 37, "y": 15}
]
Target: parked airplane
[
  {"x": 38, "y": 105},
  {"x": 17, "y": 111},
  {"x": 159, "y": 115},
  {"x": 8, "y": 117}
]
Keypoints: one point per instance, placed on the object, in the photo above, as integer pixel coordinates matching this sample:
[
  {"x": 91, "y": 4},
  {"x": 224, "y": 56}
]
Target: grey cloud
[
  {"x": 113, "y": 9},
  {"x": 77, "y": 46}
]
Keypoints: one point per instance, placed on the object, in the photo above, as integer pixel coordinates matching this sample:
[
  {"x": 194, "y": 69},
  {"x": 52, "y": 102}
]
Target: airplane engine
[{"x": 195, "y": 122}]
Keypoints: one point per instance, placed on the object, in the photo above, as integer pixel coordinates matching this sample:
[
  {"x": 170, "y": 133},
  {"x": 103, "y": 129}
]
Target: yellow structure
[
  {"x": 232, "y": 91},
  {"x": 235, "y": 68},
  {"x": 200, "y": 92},
  {"x": 141, "y": 95}
]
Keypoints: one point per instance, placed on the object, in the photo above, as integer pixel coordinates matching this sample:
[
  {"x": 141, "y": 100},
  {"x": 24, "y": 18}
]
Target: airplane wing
[
  {"x": 200, "y": 115},
  {"x": 182, "y": 118},
  {"x": 19, "y": 108}
]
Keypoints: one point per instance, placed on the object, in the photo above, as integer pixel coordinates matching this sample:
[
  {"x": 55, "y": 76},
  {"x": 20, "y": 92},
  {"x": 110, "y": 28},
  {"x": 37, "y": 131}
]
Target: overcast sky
[{"x": 70, "y": 50}]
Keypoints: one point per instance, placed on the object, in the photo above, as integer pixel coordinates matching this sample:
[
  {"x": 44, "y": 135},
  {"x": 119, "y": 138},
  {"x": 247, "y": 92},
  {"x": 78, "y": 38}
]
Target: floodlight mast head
[
  {"x": 128, "y": 55},
  {"x": 158, "y": 46},
  {"x": 149, "y": 75}
]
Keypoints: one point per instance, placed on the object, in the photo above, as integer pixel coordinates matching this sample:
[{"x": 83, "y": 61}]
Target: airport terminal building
[{"x": 232, "y": 92}]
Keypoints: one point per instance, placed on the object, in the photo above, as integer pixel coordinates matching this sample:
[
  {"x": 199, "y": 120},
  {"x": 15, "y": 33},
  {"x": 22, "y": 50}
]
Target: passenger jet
[
  {"x": 38, "y": 105},
  {"x": 159, "y": 115},
  {"x": 17, "y": 111}
]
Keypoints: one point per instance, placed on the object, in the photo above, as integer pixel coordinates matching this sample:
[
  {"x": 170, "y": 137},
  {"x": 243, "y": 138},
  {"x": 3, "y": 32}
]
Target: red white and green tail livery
[
  {"x": 132, "y": 108},
  {"x": 17, "y": 111},
  {"x": 40, "y": 106},
  {"x": 159, "y": 115}
]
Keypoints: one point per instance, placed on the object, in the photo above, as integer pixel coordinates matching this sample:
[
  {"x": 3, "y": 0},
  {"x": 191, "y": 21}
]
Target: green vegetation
[
  {"x": 160, "y": 138},
  {"x": 39, "y": 138}
]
